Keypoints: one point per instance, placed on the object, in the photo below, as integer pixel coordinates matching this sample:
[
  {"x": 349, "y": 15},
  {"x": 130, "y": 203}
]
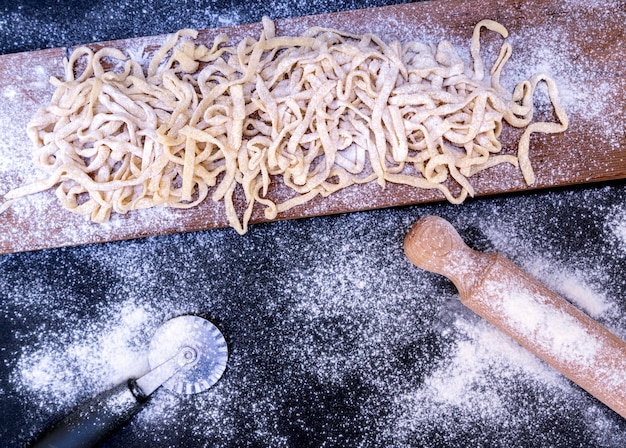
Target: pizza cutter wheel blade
[
  {"x": 187, "y": 355},
  {"x": 204, "y": 339}
]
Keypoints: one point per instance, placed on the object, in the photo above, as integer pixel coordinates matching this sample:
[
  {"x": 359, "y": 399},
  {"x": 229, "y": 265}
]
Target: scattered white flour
[
  {"x": 552, "y": 330},
  {"x": 335, "y": 339},
  {"x": 573, "y": 286},
  {"x": 93, "y": 354},
  {"x": 617, "y": 226},
  {"x": 331, "y": 333}
]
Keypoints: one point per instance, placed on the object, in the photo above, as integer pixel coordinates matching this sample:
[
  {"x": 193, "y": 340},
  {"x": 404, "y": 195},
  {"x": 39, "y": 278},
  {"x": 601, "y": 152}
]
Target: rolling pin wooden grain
[{"x": 537, "y": 318}]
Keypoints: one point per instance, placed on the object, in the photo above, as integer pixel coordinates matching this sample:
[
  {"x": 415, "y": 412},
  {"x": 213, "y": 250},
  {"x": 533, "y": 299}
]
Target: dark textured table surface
[{"x": 335, "y": 338}]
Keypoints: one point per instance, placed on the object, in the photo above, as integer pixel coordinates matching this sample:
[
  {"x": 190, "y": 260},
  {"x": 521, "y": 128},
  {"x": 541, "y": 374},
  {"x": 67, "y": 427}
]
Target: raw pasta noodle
[{"x": 322, "y": 111}]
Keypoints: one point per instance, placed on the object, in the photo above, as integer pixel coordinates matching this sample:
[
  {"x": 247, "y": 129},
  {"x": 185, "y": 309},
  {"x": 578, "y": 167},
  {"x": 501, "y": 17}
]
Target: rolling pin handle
[{"x": 433, "y": 244}]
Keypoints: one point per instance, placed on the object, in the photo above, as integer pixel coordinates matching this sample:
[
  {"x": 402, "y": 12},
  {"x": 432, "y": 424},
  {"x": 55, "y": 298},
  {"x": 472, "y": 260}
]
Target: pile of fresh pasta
[{"x": 322, "y": 111}]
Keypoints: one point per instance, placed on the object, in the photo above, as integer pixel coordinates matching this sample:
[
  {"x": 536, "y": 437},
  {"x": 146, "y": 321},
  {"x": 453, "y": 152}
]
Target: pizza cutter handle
[{"x": 96, "y": 419}]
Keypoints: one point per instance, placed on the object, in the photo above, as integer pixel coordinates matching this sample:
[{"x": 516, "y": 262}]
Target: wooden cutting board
[{"x": 581, "y": 44}]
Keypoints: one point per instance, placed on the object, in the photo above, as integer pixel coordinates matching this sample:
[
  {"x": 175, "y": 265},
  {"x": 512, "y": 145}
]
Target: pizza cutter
[{"x": 187, "y": 355}]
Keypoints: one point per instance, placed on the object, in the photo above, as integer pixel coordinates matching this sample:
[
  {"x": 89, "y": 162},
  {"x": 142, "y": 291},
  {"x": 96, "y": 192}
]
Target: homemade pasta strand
[{"x": 322, "y": 111}]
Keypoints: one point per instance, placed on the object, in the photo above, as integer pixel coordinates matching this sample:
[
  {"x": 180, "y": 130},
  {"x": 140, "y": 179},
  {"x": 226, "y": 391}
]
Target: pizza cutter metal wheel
[
  {"x": 187, "y": 355},
  {"x": 203, "y": 339}
]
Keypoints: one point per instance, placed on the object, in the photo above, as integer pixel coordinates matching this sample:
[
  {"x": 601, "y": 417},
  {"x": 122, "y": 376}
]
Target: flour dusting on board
[
  {"x": 585, "y": 95},
  {"x": 16, "y": 107},
  {"x": 590, "y": 97}
]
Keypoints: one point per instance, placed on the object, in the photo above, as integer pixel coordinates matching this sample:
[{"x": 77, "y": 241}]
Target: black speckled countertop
[{"x": 336, "y": 340}]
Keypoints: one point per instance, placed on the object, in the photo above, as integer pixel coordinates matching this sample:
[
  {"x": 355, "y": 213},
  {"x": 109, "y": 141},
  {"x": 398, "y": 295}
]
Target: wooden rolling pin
[{"x": 536, "y": 317}]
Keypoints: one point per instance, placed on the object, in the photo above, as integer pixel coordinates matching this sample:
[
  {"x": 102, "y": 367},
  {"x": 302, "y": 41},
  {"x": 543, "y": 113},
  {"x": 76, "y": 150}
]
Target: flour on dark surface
[{"x": 335, "y": 338}]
